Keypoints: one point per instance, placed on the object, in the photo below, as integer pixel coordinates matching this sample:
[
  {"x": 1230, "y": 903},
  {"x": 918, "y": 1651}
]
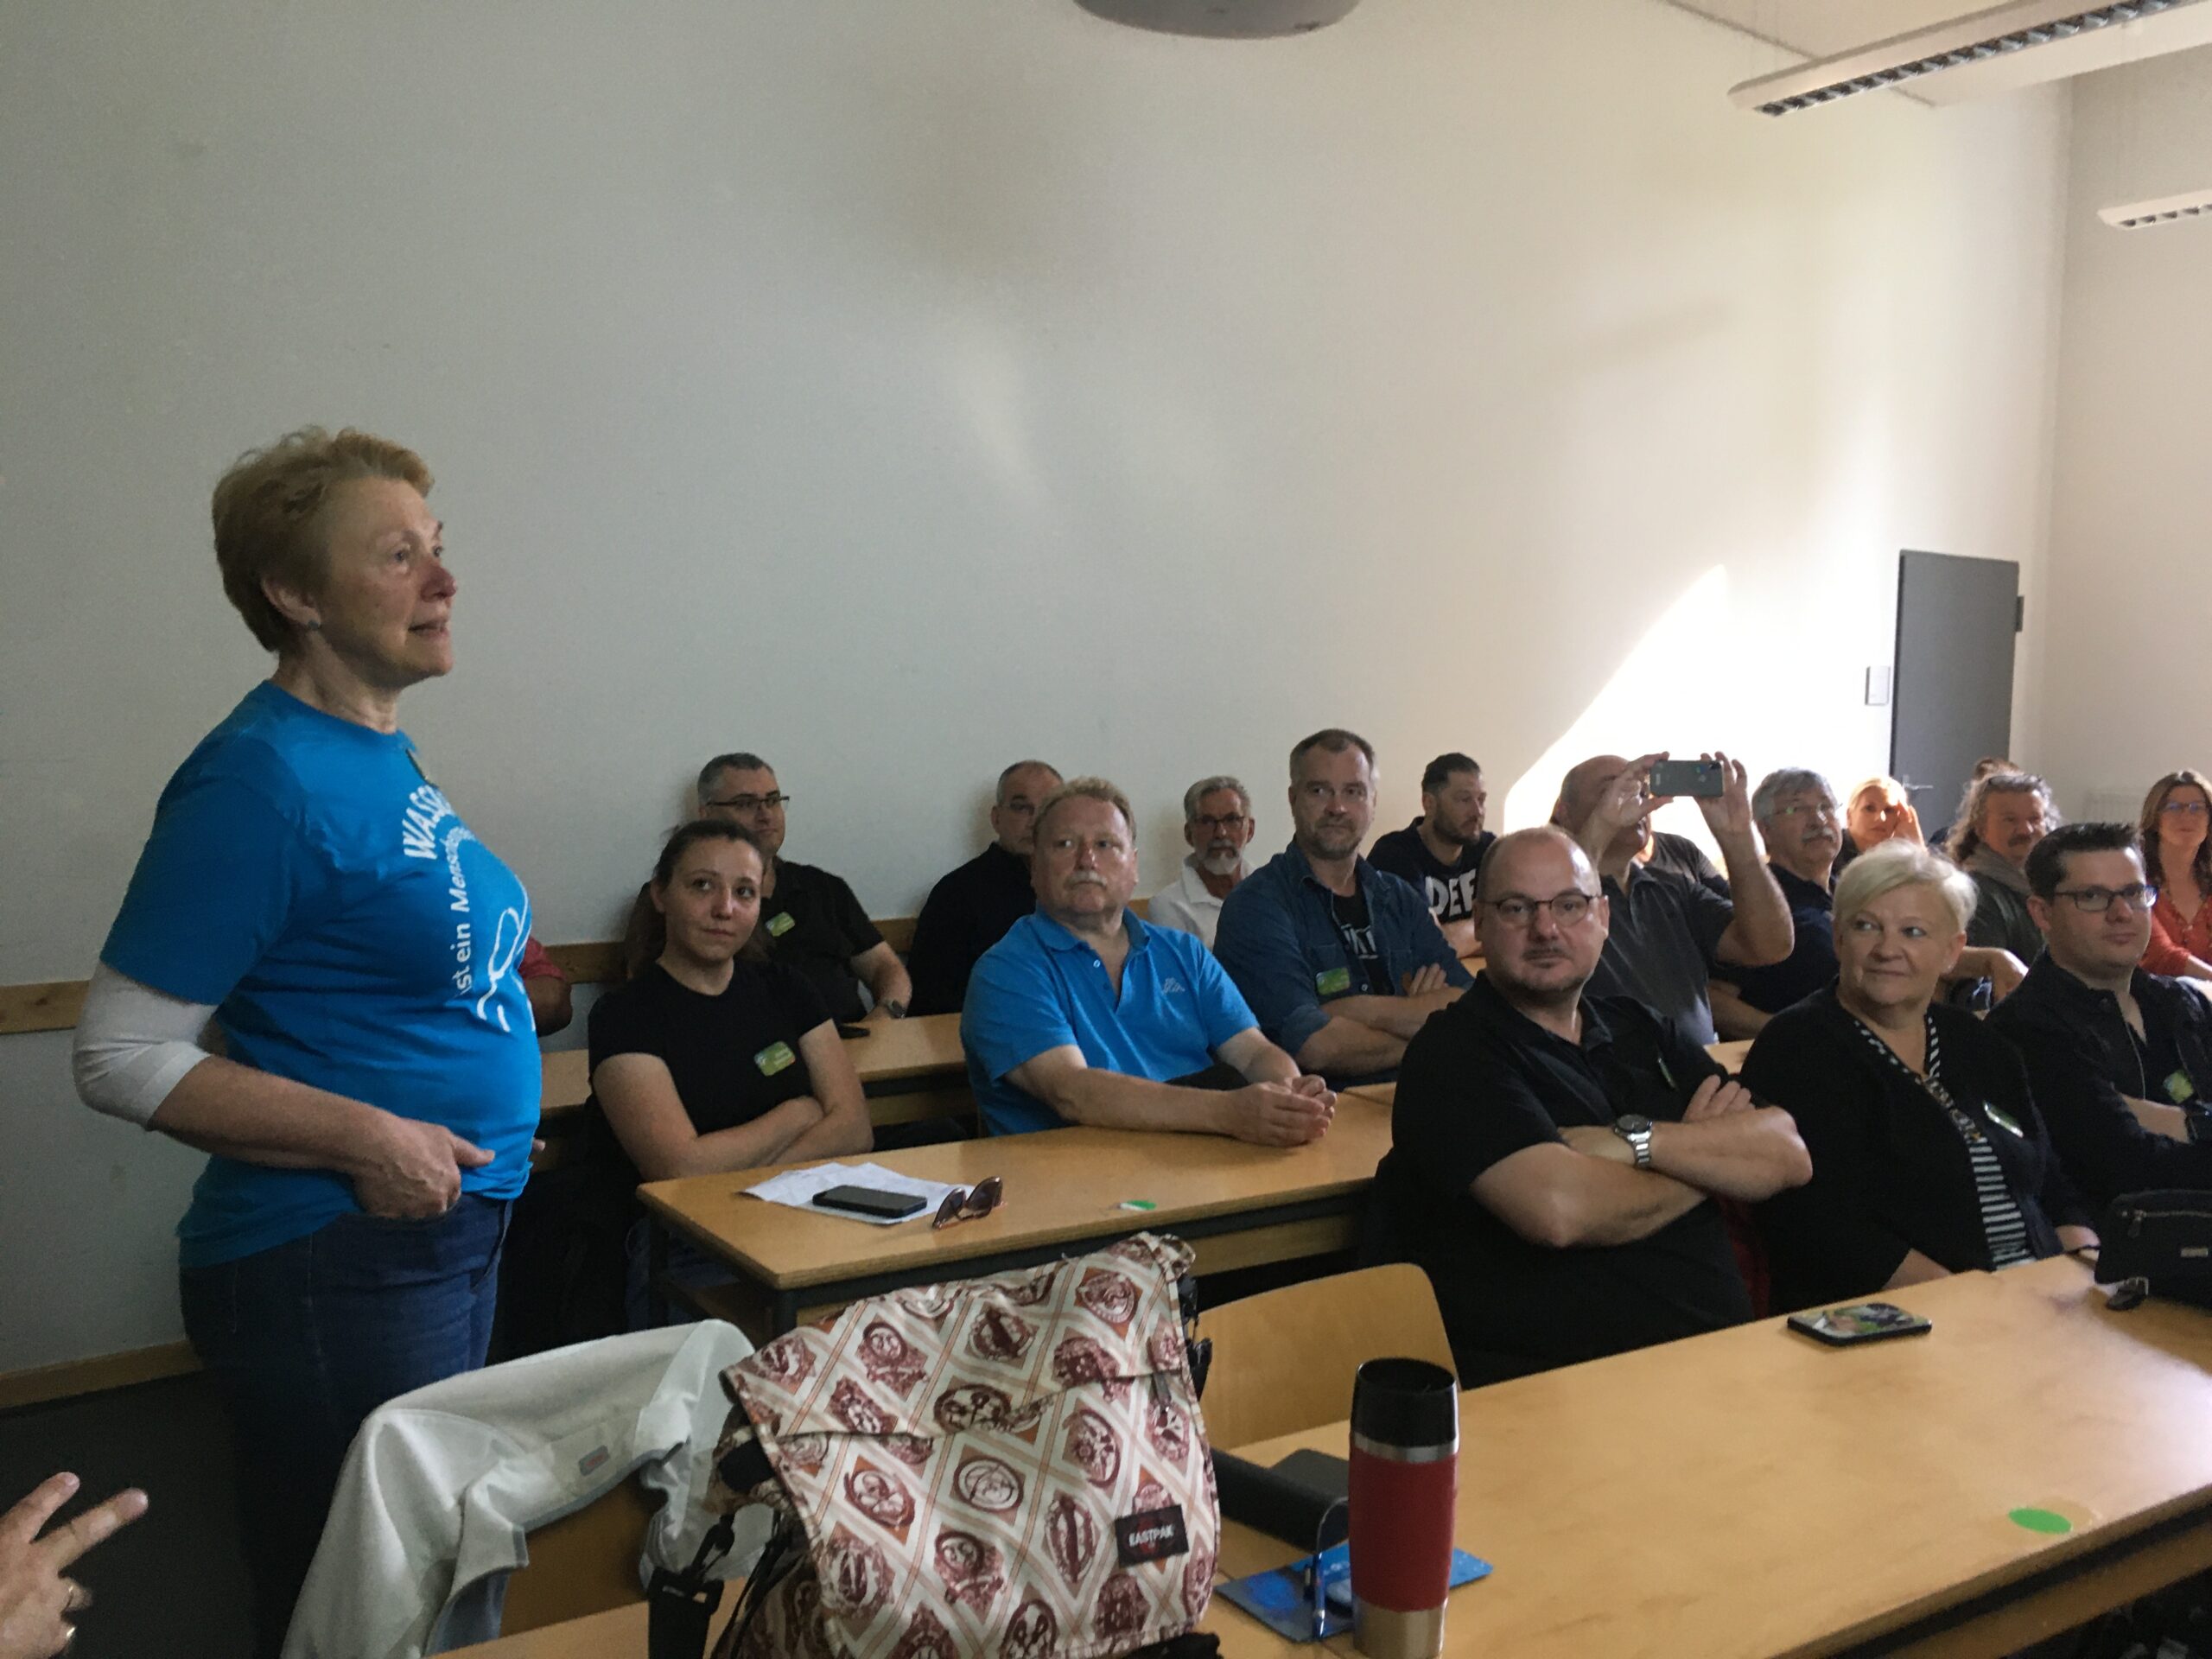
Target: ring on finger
[{"x": 78, "y": 1599}]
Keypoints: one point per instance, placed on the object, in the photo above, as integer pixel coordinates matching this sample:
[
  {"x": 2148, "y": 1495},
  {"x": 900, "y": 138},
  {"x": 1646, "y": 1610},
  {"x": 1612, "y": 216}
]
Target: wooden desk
[
  {"x": 1751, "y": 1493},
  {"x": 909, "y": 1069},
  {"x": 1238, "y": 1205}
]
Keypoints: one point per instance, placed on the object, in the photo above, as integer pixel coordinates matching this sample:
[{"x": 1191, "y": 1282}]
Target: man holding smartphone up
[{"x": 1667, "y": 932}]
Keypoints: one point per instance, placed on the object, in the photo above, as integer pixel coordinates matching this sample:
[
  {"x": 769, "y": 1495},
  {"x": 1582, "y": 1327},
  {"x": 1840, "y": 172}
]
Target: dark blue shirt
[
  {"x": 1279, "y": 940},
  {"x": 1811, "y": 962}
]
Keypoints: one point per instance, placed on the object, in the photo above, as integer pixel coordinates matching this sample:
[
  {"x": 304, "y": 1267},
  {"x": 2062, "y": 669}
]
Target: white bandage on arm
[{"x": 134, "y": 1045}]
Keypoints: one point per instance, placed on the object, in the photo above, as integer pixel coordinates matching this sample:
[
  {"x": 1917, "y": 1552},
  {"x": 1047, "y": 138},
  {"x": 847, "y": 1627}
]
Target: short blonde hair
[
  {"x": 1088, "y": 789},
  {"x": 268, "y": 511},
  {"x": 1902, "y": 863}
]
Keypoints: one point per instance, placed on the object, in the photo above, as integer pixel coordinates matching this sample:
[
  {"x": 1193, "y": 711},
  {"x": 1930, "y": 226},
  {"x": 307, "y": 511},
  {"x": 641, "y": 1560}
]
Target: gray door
[{"x": 1953, "y": 698}]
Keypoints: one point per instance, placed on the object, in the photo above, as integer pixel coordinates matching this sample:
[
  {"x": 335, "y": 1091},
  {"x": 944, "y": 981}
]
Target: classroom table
[
  {"x": 910, "y": 1070},
  {"x": 1237, "y": 1206},
  {"x": 1752, "y": 1493}
]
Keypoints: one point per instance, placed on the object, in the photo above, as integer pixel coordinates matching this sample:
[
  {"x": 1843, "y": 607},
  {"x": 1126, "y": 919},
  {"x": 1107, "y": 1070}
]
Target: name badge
[
  {"x": 1334, "y": 983},
  {"x": 778, "y": 1057},
  {"x": 2180, "y": 1088},
  {"x": 780, "y": 924},
  {"x": 2002, "y": 1121}
]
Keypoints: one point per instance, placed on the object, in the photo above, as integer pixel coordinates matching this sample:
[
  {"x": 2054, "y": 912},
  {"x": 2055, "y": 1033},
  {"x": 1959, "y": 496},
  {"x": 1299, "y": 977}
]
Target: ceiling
[{"x": 1817, "y": 29}]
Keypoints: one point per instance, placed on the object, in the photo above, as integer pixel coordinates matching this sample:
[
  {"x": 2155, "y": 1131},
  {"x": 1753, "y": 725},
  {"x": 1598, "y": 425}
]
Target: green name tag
[
  {"x": 2179, "y": 1088},
  {"x": 780, "y": 924},
  {"x": 1334, "y": 983},
  {"x": 2003, "y": 1121},
  {"x": 776, "y": 1056}
]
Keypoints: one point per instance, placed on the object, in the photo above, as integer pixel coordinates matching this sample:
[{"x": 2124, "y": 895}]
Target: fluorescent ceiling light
[
  {"x": 1975, "y": 38},
  {"x": 2134, "y": 215}
]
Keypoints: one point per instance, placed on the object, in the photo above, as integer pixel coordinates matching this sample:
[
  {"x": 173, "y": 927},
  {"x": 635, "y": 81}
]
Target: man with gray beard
[{"x": 1218, "y": 823}]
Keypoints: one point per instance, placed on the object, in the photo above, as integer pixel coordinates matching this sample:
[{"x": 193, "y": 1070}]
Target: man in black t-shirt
[
  {"x": 1552, "y": 1153},
  {"x": 970, "y": 909},
  {"x": 810, "y": 919},
  {"x": 1441, "y": 851}
]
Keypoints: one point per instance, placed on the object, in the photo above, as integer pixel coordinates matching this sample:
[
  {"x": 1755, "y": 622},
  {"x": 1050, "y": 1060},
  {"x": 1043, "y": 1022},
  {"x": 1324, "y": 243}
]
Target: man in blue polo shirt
[
  {"x": 1082, "y": 1013},
  {"x": 1342, "y": 962}
]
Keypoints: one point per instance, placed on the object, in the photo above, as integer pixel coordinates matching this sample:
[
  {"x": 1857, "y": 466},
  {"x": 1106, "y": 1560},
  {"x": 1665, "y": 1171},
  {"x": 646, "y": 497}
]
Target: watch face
[{"x": 1631, "y": 1123}]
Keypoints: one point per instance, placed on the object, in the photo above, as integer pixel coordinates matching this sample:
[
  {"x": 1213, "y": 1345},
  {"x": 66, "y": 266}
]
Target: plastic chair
[{"x": 1284, "y": 1361}]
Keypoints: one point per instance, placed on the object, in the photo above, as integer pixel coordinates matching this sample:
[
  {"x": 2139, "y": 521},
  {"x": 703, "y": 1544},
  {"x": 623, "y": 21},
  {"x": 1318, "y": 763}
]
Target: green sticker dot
[{"x": 2041, "y": 1521}]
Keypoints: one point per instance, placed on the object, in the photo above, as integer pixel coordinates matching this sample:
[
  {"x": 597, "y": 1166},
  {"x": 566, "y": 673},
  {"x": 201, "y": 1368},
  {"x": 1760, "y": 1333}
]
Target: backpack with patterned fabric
[{"x": 1013, "y": 1466}]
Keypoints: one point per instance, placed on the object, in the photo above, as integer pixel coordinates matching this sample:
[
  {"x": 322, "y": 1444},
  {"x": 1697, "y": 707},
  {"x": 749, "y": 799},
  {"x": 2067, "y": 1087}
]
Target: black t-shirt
[
  {"x": 1481, "y": 1082},
  {"x": 733, "y": 1057},
  {"x": 1355, "y": 927},
  {"x": 1891, "y": 1172},
  {"x": 1450, "y": 887},
  {"x": 2086, "y": 1059},
  {"x": 967, "y": 912}
]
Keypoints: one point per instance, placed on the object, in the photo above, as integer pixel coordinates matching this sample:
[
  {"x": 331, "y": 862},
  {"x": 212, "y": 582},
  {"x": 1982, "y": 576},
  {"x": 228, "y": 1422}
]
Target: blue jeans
[{"x": 307, "y": 1339}]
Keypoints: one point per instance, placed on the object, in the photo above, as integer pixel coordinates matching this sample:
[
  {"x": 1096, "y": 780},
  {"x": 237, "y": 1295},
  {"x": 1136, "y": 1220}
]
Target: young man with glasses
[
  {"x": 1340, "y": 960},
  {"x": 2121, "y": 1060},
  {"x": 1217, "y": 825},
  {"x": 811, "y": 920},
  {"x": 1553, "y": 1151},
  {"x": 1441, "y": 851}
]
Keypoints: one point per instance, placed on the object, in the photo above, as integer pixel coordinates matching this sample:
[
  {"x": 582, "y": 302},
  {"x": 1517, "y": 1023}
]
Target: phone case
[
  {"x": 1841, "y": 1327},
  {"x": 868, "y": 1201}
]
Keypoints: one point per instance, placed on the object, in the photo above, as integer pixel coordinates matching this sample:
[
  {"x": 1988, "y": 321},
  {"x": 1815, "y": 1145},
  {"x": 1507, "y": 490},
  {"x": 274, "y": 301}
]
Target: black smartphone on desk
[{"x": 870, "y": 1201}]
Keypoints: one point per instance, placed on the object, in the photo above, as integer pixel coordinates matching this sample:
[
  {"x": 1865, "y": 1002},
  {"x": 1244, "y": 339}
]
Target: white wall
[
  {"x": 900, "y": 389},
  {"x": 2122, "y": 689}
]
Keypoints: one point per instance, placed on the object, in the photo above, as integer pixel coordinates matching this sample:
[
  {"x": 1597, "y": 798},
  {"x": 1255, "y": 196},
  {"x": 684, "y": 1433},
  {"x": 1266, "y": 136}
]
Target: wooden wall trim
[{"x": 73, "y": 1377}]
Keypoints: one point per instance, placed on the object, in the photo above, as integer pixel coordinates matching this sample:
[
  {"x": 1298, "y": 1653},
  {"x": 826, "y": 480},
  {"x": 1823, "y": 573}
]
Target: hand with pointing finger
[{"x": 38, "y": 1599}]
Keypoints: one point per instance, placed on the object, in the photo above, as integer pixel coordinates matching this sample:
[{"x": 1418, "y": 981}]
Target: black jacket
[
  {"x": 2084, "y": 1061},
  {"x": 1890, "y": 1171}
]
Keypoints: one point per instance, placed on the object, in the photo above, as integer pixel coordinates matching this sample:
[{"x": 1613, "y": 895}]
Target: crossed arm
[
  {"x": 1278, "y": 1106},
  {"x": 639, "y": 1096}
]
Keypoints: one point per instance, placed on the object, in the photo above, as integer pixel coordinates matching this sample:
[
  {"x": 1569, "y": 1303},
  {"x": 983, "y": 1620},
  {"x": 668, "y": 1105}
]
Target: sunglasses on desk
[{"x": 971, "y": 1203}]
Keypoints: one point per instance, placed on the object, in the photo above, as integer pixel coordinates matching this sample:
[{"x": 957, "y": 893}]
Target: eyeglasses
[
  {"x": 1224, "y": 825},
  {"x": 2191, "y": 809},
  {"x": 1567, "y": 908},
  {"x": 971, "y": 1203},
  {"x": 1823, "y": 808},
  {"x": 774, "y": 803},
  {"x": 2096, "y": 900}
]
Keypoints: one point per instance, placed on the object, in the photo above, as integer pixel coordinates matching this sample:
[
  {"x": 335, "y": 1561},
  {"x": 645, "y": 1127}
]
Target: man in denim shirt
[{"x": 1341, "y": 963}]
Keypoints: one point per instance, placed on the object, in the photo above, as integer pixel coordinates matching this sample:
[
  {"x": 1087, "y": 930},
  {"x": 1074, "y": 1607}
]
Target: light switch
[{"x": 1877, "y": 687}]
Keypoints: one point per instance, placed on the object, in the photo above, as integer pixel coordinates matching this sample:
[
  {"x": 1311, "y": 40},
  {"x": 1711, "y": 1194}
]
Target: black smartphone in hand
[{"x": 1693, "y": 777}]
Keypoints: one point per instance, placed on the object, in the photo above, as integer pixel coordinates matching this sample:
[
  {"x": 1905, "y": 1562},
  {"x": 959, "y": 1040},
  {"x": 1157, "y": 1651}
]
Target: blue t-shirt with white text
[{"x": 306, "y": 877}]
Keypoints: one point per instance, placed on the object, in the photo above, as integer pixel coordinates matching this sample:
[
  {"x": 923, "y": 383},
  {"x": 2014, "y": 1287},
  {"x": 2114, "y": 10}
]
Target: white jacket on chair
[{"x": 441, "y": 1485}]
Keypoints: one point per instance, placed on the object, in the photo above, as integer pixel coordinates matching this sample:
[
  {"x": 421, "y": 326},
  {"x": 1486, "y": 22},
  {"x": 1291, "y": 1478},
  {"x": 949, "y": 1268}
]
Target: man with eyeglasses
[
  {"x": 1441, "y": 851},
  {"x": 1553, "y": 1150},
  {"x": 1085, "y": 1014},
  {"x": 1340, "y": 960},
  {"x": 810, "y": 919},
  {"x": 971, "y": 908},
  {"x": 1801, "y": 822},
  {"x": 1217, "y": 825},
  {"x": 1667, "y": 933},
  {"x": 2121, "y": 1060}
]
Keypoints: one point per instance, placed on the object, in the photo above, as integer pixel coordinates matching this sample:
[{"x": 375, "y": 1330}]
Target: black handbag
[{"x": 2156, "y": 1244}]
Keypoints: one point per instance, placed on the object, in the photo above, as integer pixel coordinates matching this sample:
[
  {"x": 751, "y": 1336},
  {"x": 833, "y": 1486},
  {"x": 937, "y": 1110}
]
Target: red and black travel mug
[{"x": 1405, "y": 1487}]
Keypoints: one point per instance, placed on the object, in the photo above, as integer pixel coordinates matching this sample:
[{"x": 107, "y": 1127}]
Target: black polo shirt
[
  {"x": 967, "y": 912},
  {"x": 1482, "y": 1082},
  {"x": 2084, "y": 1058},
  {"x": 1450, "y": 887},
  {"x": 1659, "y": 945},
  {"x": 1811, "y": 963},
  {"x": 1890, "y": 1171},
  {"x": 1680, "y": 855}
]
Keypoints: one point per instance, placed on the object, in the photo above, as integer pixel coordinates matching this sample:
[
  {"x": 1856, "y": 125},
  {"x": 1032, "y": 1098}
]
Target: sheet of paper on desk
[{"x": 797, "y": 1188}]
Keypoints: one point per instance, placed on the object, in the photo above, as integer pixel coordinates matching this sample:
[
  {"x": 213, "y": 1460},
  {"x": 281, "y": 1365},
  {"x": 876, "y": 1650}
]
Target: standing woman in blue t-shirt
[{"x": 308, "y": 888}]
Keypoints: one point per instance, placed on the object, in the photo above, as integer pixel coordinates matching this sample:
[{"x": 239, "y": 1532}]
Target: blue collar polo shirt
[
  {"x": 1293, "y": 947},
  {"x": 1042, "y": 988}
]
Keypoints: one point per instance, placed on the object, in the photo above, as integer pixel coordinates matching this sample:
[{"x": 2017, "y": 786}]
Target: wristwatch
[{"x": 1637, "y": 1131}]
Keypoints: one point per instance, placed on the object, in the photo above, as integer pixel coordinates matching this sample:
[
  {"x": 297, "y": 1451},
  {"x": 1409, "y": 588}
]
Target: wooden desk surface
[
  {"x": 1751, "y": 1492},
  {"x": 1061, "y": 1185},
  {"x": 924, "y": 1048}
]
